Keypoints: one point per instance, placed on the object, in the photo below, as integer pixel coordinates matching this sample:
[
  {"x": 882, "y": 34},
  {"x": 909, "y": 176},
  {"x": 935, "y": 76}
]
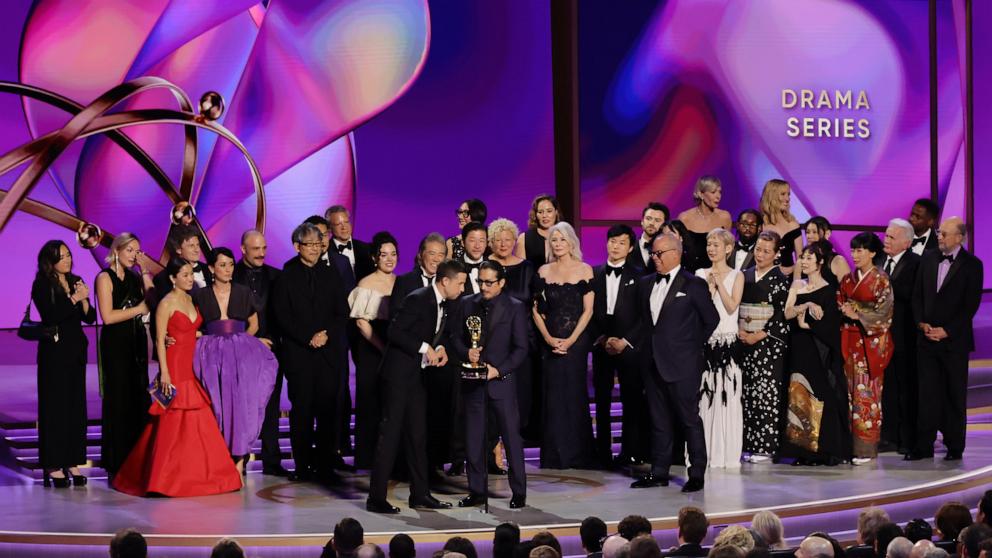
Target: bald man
[
  {"x": 946, "y": 297},
  {"x": 815, "y": 547},
  {"x": 921, "y": 548},
  {"x": 900, "y": 547}
]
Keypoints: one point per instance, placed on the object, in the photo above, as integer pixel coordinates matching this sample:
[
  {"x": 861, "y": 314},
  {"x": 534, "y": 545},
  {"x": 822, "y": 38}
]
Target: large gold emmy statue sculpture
[{"x": 477, "y": 370}]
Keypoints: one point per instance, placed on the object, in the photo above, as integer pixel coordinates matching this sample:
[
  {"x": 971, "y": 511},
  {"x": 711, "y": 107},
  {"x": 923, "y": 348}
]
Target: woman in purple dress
[{"x": 237, "y": 369}]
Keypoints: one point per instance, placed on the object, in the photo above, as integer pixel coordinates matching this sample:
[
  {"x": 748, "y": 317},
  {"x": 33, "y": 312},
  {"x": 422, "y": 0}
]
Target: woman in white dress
[{"x": 720, "y": 390}]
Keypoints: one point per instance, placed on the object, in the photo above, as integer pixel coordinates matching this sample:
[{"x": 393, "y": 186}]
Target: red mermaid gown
[{"x": 181, "y": 451}]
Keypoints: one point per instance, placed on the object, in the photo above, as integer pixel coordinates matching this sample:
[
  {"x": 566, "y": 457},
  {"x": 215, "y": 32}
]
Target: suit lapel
[
  {"x": 626, "y": 278},
  {"x": 673, "y": 289},
  {"x": 748, "y": 260},
  {"x": 492, "y": 319},
  {"x": 955, "y": 265}
]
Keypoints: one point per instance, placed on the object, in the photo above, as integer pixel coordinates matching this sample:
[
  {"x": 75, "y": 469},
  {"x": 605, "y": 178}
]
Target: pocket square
[
  {"x": 679, "y": 294},
  {"x": 631, "y": 282}
]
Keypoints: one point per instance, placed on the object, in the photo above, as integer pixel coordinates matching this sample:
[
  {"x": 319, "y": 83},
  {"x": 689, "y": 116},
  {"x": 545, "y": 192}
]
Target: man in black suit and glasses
[
  {"x": 676, "y": 317},
  {"x": 946, "y": 296},
  {"x": 417, "y": 339},
  {"x": 503, "y": 348}
]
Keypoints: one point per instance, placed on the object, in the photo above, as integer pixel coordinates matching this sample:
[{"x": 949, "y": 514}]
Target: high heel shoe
[
  {"x": 57, "y": 482},
  {"x": 77, "y": 480}
]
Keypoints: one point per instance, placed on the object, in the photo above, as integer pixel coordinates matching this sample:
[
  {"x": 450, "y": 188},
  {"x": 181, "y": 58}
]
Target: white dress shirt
[
  {"x": 895, "y": 261},
  {"x": 347, "y": 252},
  {"x": 473, "y": 274},
  {"x": 659, "y": 292},
  {"x": 645, "y": 252},
  {"x": 918, "y": 247},
  {"x": 612, "y": 288},
  {"x": 438, "y": 299}
]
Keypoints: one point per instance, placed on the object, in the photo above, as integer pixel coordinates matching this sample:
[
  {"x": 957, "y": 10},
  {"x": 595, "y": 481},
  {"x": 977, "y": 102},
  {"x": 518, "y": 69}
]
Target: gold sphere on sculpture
[{"x": 211, "y": 106}]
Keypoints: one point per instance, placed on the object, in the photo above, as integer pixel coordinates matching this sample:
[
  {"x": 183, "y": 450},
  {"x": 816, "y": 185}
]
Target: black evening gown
[
  {"x": 373, "y": 307},
  {"x": 694, "y": 256},
  {"x": 817, "y": 430},
  {"x": 787, "y": 249},
  {"x": 61, "y": 376},
  {"x": 567, "y": 441},
  {"x": 124, "y": 372},
  {"x": 535, "y": 245}
]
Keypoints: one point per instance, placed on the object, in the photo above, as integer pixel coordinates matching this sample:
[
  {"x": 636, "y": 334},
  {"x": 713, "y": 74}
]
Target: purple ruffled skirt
[{"x": 239, "y": 372}]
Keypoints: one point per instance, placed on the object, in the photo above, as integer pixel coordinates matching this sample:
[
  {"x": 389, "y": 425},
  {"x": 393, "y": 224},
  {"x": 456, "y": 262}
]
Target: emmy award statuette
[{"x": 478, "y": 370}]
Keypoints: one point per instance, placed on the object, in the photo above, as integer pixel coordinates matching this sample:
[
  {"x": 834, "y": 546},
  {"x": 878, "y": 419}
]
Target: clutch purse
[
  {"x": 31, "y": 330},
  {"x": 159, "y": 396},
  {"x": 753, "y": 317}
]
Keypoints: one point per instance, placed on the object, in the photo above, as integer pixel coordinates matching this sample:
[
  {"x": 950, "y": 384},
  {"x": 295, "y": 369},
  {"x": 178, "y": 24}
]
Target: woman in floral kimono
[{"x": 865, "y": 298}]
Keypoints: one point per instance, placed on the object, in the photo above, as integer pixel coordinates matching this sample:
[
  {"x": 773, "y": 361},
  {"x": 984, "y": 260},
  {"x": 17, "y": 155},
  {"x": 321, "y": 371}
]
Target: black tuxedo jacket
[
  {"x": 307, "y": 300},
  {"x": 903, "y": 280},
  {"x": 261, "y": 283},
  {"x": 404, "y": 285},
  {"x": 931, "y": 243},
  {"x": 625, "y": 310},
  {"x": 412, "y": 325},
  {"x": 748, "y": 259},
  {"x": 505, "y": 343},
  {"x": 342, "y": 264},
  {"x": 674, "y": 345},
  {"x": 163, "y": 285},
  {"x": 952, "y": 307},
  {"x": 364, "y": 264}
]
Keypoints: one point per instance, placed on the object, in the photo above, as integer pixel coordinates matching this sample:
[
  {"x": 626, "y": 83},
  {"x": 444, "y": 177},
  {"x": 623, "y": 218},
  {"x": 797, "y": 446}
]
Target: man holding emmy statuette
[
  {"x": 416, "y": 347},
  {"x": 489, "y": 336}
]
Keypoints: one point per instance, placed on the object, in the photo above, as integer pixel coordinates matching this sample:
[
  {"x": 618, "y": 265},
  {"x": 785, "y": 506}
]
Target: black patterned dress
[{"x": 763, "y": 364}]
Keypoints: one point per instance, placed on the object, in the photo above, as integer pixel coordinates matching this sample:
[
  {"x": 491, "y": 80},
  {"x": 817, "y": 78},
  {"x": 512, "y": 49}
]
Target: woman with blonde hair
[
  {"x": 532, "y": 245},
  {"x": 705, "y": 216},
  {"x": 775, "y": 206},
  {"x": 562, "y": 310},
  {"x": 770, "y": 527}
]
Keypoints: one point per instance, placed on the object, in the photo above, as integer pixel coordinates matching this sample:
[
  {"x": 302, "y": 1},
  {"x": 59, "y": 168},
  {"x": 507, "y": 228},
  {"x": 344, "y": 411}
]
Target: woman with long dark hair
[
  {"x": 818, "y": 229},
  {"x": 532, "y": 244},
  {"x": 470, "y": 211},
  {"x": 62, "y": 300}
]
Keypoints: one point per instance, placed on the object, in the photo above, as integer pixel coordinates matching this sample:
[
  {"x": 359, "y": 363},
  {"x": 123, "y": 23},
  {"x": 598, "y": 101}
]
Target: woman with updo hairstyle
[
  {"x": 123, "y": 348},
  {"x": 818, "y": 230},
  {"x": 470, "y": 211},
  {"x": 532, "y": 245},
  {"x": 818, "y": 429},
  {"x": 705, "y": 216},
  {"x": 62, "y": 300},
  {"x": 776, "y": 199},
  {"x": 237, "y": 368},
  {"x": 369, "y": 303},
  {"x": 866, "y": 301}
]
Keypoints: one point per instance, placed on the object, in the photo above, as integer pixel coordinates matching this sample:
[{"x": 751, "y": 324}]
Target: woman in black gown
[
  {"x": 562, "y": 310},
  {"x": 818, "y": 229},
  {"x": 705, "y": 216},
  {"x": 775, "y": 204},
  {"x": 817, "y": 431},
  {"x": 532, "y": 245},
  {"x": 123, "y": 350},
  {"x": 62, "y": 300}
]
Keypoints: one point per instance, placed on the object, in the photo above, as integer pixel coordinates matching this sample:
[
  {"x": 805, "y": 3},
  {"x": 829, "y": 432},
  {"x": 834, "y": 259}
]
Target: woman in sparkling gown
[
  {"x": 237, "y": 369},
  {"x": 720, "y": 391},
  {"x": 181, "y": 451},
  {"x": 562, "y": 310}
]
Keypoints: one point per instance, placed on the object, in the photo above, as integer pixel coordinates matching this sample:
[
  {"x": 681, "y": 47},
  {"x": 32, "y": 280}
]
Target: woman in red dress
[
  {"x": 866, "y": 300},
  {"x": 181, "y": 451}
]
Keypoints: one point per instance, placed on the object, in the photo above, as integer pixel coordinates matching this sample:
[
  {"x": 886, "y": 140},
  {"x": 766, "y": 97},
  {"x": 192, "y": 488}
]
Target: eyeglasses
[
  {"x": 746, "y": 225},
  {"x": 489, "y": 282},
  {"x": 311, "y": 244},
  {"x": 462, "y": 212},
  {"x": 659, "y": 253}
]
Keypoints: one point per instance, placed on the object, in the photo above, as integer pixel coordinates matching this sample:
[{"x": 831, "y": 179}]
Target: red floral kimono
[{"x": 866, "y": 345}]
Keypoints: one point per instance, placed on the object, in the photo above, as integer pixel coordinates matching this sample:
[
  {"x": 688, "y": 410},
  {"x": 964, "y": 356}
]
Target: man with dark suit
[
  {"x": 475, "y": 242},
  {"x": 946, "y": 296},
  {"x": 614, "y": 285},
  {"x": 748, "y": 226},
  {"x": 183, "y": 243},
  {"x": 653, "y": 216},
  {"x": 416, "y": 346},
  {"x": 430, "y": 254},
  {"x": 311, "y": 311},
  {"x": 359, "y": 253},
  {"x": 503, "y": 348},
  {"x": 693, "y": 525},
  {"x": 260, "y": 278},
  {"x": 922, "y": 217},
  {"x": 899, "y": 390},
  {"x": 332, "y": 258},
  {"x": 676, "y": 317}
]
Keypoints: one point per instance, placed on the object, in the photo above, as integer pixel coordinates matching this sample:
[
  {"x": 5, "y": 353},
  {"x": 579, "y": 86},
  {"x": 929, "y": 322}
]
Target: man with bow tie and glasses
[
  {"x": 922, "y": 217},
  {"x": 748, "y": 226},
  {"x": 675, "y": 318},
  {"x": 614, "y": 285},
  {"x": 653, "y": 216},
  {"x": 359, "y": 253},
  {"x": 946, "y": 296}
]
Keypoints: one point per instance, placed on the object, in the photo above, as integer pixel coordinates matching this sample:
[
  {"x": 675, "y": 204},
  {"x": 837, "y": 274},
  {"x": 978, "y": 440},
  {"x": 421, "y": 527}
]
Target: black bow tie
[
  {"x": 745, "y": 247},
  {"x": 470, "y": 266},
  {"x": 659, "y": 276},
  {"x": 919, "y": 240},
  {"x": 444, "y": 304},
  {"x": 610, "y": 270},
  {"x": 197, "y": 267},
  {"x": 647, "y": 246},
  {"x": 947, "y": 257},
  {"x": 343, "y": 247}
]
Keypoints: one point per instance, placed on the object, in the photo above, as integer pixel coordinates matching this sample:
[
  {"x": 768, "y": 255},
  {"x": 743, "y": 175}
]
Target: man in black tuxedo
[
  {"x": 332, "y": 258},
  {"x": 676, "y": 317},
  {"x": 430, "y": 254},
  {"x": 748, "y": 226},
  {"x": 183, "y": 243},
  {"x": 946, "y": 296},
  {"x": 260, "y": 278},
  {"x": 475, "y": 242},
  {"x": 615, "y": 287},
  {"x": 503, "y": 348},
  {"x": 359, "y": 253},
  {"x": 653, "y": 216},
  {"x": 922, "y": 217},
  {"x": 311, "y": 311},
  {"x": 416, "y": 346},
  {"x": 899, "y": 390}
]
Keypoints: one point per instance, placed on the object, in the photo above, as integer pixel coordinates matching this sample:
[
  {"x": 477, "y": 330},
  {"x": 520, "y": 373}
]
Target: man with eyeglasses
[
  {"x": 359, "y": 253},
  {"x": 748, "y": 226},
  {"x": 311, "y": 311},
  {"x": 504, "y": 348},
  {"x": 946, "y": 296},
  {"x": 676, "y": 317}
]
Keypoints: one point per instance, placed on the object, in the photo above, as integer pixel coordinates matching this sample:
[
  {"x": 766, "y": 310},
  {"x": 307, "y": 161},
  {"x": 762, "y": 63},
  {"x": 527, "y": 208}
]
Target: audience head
[
  {"x": 506, "y": 537},
  {"x": 970, "y": 537},
  {"x": 708, "y": 191},
  {"x": 620, "y": 242},
  {"x": 866, "y": 248},
  {"x": 765, "y": 249},
  {"x": 920, "y": 548},
  {"x": 770, "y": 527},
  {"x": 544, "y": 551},
  {"x": 369, "y": 550},
  {"x": 128, "y": 543},
  {"x": 923, "y": 215},
  {"x": 450, "y": 279},
  {"x": 748, "y": 225},
  {"x": 918, "y": 530},
  {"x": 951, "y": 234},
  {"x": 471, "y": 210},
  {"x": 592, "y": 532},
  {"x": 693, "y": 525},
  {"x": 869, "y": 520},
  {"x": 666, "y": 252},
  {"x": 838, "y": 549},
  {"x": 984, "y": 514},
  {"x": 180, "y": 272},
  {"x": 402, "y": 546},
  {"x": 54, "y": 259},
  {"x": 884, "y": 535},
  {"x": 184, "y": 241},
  {"x": 124, "y": 251},
  {"x": 898, "y": 237},
  {"x": 735, "y": 535},
  {"x": 308, "y": 242},
  {"x": 431, "y": 252},
  {"x": 385, "y": 251},
  {"x": 546, "y": 538},
  {"x": 950, "y": 519},
  {"x": 543, "y": 212},
  {"x": 474, "y": 240},
  {"x": 523, "y": 549},
  {"x": 502, "y": 236},
  {"x": 812, "y": 259},
  {"x": 462, "y": 545},
  {"x": 677, "y": 228},
  {"x": 727, "y": 551},
  {"x": 719, "y": 244},
  {"x": 900, "y": 547},
  {"x": 348, "y": 536},
  {"x": 339, "y": 221},
  {"x": 632, "y": 526},
  {"x": 253, "y": 248},
  {"x": 985, "y": 548},
  {"x": 775, "y": 202},
  {"x": 653, "y": 216},
  {"x": 612, "y": 545},
  {"x": 644, "y": 546},
  {"x": 815, "y": 547},
  {"x": 227, "y": 548},
  {"x": 562, "y": 241},
  {"x": 817, "y": 228},
  {"x": 935, "y": 553},
  {"x": 757, "y": 552}
]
